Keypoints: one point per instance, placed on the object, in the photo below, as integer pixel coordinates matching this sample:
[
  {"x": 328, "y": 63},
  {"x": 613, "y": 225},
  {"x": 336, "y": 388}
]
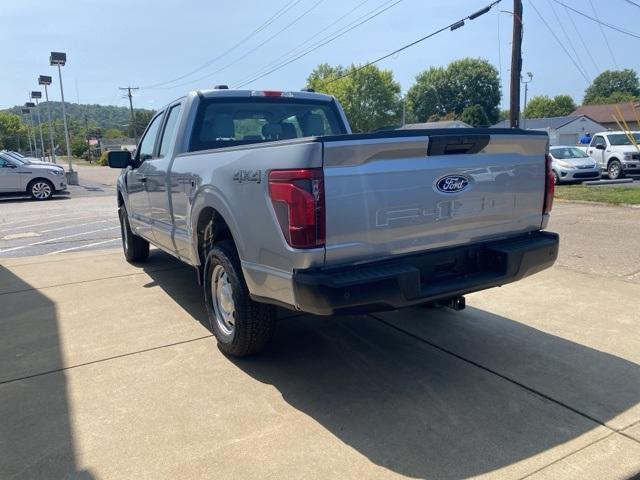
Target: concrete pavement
[{"x": 107, "y": 371}]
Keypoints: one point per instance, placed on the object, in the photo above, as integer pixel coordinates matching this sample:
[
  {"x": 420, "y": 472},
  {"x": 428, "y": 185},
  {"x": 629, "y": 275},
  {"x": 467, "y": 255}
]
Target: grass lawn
[{"x": 613, "y": 195}]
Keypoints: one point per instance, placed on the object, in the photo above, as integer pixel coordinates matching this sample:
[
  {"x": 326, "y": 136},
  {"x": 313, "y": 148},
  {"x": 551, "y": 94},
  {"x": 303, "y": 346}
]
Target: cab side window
[
  {"x": 145, "y": 151},
  {"x": 169, "y": 130},
  {"x": 598, "y": 140}
]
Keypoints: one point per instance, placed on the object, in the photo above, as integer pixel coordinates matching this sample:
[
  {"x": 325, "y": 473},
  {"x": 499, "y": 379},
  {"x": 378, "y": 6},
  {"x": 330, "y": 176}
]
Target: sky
[{"x": 141, "y": 43}]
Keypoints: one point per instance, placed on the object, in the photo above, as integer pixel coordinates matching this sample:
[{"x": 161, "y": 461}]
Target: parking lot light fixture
[
  {"x": 46, "y": 81},
  {"x": 35, "y": 95},
  {"x": 59, "y": 59}
]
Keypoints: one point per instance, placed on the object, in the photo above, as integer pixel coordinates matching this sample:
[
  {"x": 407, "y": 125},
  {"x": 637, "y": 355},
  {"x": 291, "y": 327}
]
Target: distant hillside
[{"x": 102, "y": 116}]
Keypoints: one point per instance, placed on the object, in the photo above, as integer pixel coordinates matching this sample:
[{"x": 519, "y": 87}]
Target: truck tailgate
[{"x": 402, "y": 192}]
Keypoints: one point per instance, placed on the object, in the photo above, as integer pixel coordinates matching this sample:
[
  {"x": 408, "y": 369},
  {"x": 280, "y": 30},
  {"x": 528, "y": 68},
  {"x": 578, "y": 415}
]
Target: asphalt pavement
[{"x": 82, "y": 218}]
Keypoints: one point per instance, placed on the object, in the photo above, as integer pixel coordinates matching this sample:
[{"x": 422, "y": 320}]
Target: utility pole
[
  {"x": 25, "y": 112},
  {"x": 133, "y": 118},
  {"x": 516, "y": 65},
  {"x": 526, "y": 91}
]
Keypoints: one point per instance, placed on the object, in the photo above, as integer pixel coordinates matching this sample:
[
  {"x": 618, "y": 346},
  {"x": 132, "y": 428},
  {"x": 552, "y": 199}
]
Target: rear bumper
[{"x": 424, "y": 277}]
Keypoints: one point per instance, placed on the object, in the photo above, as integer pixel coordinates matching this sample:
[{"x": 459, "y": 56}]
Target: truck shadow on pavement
[
  {"x": 497, "y": 393},
  {"x": 36, "y": 439}
]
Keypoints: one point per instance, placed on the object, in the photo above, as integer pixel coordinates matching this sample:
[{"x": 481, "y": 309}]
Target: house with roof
[
  {"x": 561, "y": 130},
  {"x": 603, "y": 114}
]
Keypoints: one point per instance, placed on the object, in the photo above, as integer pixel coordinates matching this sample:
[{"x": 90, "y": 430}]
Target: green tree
[
  {"x": 143, "y": 117},
  {"x": 78, "y": 146},
  {"x": 612, "y": 86},
  {"x": 543, "y": 106},
  {"x": 461, "y": 84},
  {"x": 370, "y": 97},
  {"x": 13, "y": 133},
  {"x": 113, "y": 133},
  {"x": 475, "y": 116}
]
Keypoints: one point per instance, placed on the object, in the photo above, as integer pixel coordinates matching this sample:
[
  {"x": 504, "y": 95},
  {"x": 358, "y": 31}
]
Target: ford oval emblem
[{"x": 451, "y": 183}]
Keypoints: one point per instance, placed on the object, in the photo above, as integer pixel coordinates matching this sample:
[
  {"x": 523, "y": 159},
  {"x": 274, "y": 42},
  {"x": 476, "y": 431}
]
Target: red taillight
[
  {"x": 272, "y": 93},
  {"x": 298, "y": 200},
  {"x": 549, "y": 185}
]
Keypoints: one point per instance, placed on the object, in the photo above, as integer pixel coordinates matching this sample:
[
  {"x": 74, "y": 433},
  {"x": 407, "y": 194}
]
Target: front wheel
[
  {"x": 615, "y": 170},
  {"x": 136, "y": 249},
  {"x": 41, "y": 189},
  {"x": 241, "y": 326},
  {"x": 556, "y": 178}
]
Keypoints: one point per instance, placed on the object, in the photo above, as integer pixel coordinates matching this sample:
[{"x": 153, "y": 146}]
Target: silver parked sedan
[
  {"x": 570, "y": 164},
  {"x": 40, "y": 180}
]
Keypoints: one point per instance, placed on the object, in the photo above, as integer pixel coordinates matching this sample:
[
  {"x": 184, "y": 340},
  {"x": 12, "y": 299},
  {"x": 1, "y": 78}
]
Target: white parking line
[
  {"x": 76, "y": 225},
  {"x": 84, "y": 246},
  {"x": 56, "y": 239},
  {"x": 43, "y": 223},
  {"x": 2, "y": 225}
]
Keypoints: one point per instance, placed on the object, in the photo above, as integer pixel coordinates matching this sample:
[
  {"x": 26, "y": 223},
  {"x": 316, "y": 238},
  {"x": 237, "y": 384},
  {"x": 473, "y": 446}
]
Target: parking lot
[{"x": 107, "y": 369}]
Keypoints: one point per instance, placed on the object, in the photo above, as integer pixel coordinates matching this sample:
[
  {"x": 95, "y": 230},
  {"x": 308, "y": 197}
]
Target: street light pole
[
  {"x": 35, "y": 96},
  {"x": 59, "y": 59},
  {"x": 25, "y": 112},
  {"x": 526, "y": 91},
  {"x": 46, "y": 80},
  {"x": 31, "y": 106}
]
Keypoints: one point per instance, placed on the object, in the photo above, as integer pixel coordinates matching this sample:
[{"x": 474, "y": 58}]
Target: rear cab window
[{"x": 228, "y": 122}]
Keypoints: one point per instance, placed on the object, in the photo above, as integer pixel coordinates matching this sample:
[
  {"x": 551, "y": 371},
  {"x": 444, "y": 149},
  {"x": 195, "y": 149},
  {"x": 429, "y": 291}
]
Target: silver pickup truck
[{"x": 274, "y": 202}]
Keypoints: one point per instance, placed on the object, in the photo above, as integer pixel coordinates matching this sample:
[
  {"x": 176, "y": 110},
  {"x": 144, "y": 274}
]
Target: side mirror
[
  {"x": 600, "y": 146},
  {"x": 119, "y": 158}
]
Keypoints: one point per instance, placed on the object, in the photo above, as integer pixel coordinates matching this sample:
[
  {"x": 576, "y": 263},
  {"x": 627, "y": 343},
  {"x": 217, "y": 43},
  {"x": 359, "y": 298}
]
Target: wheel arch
[{"x": 33, "y": 180}]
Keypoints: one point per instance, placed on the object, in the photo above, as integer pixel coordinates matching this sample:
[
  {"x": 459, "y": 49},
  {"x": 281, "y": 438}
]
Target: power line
[
  {"x": 305, "y": 13},
  {"x": 452, "y": 26},
  {"x": 283, "y": 10},
  {"x": 301, "y": 47},
  {"x": 326, "y": 40},
  {"x": 631, "y": 2},
  {"x": 606, "y": 40},
  {"x": 601, "y": 22},
  {"x": 566, "y": 35},
  {"x": 584, "y": 44},
  {"x": 559, "y": 42}
]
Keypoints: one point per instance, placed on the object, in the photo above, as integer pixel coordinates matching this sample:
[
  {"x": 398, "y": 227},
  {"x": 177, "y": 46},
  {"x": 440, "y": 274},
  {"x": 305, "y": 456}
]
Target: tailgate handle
[{"x": 457, "y": 144}]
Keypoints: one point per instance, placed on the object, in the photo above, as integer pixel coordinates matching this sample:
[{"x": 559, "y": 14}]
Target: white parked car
[
  {"x": 40, "y": 180},
  {"x": 615, "y": 153},
  {"x": 572, "y": 164}
]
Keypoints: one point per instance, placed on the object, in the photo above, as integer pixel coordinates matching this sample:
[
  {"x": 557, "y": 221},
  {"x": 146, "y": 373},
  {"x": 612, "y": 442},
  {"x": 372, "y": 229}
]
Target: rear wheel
[
  {"x": 40, "y": 189},
  {"x": 615, "y": 170},
  {"x": 136, "y": 249},
  {"x": 241, "y": 326}
]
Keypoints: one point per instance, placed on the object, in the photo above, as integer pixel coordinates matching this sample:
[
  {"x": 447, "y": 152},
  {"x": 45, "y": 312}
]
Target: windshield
[
  {"x": 568, "y": 152},
  {"x": 13, "y": 158},
  {"x": 623, "y": 139},
  {"x": 239, "y": 121},
  {"x": 16, "y": 156}
]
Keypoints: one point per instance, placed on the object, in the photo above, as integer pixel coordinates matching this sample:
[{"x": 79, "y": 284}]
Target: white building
[{"x": 561, "y": 130}]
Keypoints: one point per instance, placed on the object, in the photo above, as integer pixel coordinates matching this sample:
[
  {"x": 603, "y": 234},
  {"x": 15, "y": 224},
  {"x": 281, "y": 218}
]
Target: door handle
[{"x": 143, "y": 179}]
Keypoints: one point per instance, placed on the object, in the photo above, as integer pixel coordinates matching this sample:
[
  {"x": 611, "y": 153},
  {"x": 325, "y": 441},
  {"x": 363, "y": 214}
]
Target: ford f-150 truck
[
  {"x": 276, "y": 203},
  {"x": 616, "y": 153}
]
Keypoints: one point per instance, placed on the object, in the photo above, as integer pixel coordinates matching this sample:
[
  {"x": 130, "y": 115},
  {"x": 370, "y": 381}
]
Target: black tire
[
  {"x": 40, "y": 189},
  {"x": 136, "y": 249},
  {"x": 250, "y": 324},
  {"x": 615, "y": 170},
  {"x": 556, "y": 178}
]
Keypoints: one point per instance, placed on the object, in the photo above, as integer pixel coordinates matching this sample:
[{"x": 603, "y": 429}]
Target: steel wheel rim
[
  {"x": 41, "y": 190},
  {"x": 614, "y": 170},
  {"x": 222, "y": 299}
]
